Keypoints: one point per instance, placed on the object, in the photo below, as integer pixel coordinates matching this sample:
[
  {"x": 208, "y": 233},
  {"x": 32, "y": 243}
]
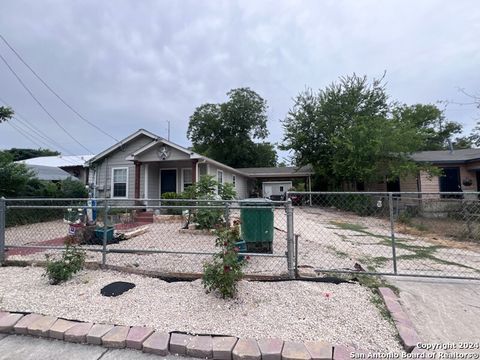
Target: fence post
[
  {"x": 392, "y": 232},
  {"x": 290, "y": 239},
  {"x": 3, "y": 210},
  {"x": 227, "y": 215},
  {"x": 105, "y": 233}
]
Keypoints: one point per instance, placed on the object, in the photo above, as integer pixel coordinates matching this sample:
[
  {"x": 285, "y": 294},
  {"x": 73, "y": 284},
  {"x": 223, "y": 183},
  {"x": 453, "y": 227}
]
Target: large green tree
[
  {"x": 229, "y": 132},
  {"x": 350, "y": 131}
]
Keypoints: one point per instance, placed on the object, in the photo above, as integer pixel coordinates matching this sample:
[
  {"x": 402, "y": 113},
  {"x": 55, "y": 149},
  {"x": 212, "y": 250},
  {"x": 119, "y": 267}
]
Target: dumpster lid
[{"x": 254, "y": 201}]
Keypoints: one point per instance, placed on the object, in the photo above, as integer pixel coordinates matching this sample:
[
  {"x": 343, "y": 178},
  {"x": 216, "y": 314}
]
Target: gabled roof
[
  {"x": 122, "y": 142},
  {"x": 447, "y": 156},
  {"x": 58, "y": 160},
  {"x": 288, "y": 171},
  {"x": 49, "y": 173}
]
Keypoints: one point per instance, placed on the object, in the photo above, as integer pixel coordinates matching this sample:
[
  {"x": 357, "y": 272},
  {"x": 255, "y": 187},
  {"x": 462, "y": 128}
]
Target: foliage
[
  {"x": 13, "y": 176},
  {"x": 72, "y": 261},
  {"x": 172, "y": 195},
  {"x": 6, "y": 113},
  {"x": 225, "y": 270},
  {"x": 429, "y": 123},
  {"x": 226, "y": 131},
  {"x": 351, "y": 132},
  {"x": 22, "y": 154}
]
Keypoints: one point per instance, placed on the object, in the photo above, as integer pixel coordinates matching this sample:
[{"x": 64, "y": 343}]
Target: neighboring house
[
  {"x": 144, "y": 166},
  {"x": 461, "y": 169},
  {"x": 276, "y": 181},
  {"x": 49, "y": 173},
  {"x": 74, "y": 165}
]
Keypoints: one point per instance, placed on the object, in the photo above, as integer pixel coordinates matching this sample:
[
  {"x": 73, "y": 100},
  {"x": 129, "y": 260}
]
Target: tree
[
  {"x": 226, "y": 131},
  {"x": 22, "y": 154},
  {"x": 430, "y": 123},
  {"x": 348, "y": 133},
  {"x": 13, "y": 176},
  {"x": 6, "y": 113}
]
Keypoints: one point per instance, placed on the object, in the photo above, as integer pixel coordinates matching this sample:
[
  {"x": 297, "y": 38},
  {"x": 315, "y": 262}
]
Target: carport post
[
  {"x": 2, "y": 229},
  {"x": 290, "y": 239},
  {"x": 392, "y": 232}
]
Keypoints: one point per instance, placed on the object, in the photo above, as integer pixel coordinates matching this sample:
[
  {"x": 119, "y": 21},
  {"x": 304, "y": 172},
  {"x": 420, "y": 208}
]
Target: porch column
[
  {"x": 138, "y": 166},
  {"x": 194, "y": 171}
]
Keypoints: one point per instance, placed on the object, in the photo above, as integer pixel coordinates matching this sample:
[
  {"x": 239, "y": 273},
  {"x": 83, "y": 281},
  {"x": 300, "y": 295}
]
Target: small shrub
[
  {"x": 225, "y": 270},
  {"x": 172, "y": 195},
  {"x": 72, "y": 261}
]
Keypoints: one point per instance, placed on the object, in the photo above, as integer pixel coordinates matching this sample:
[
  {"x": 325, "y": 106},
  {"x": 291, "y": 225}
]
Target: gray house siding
[
  {"x": 241, "y": 181},
  {"x": 103, "y": 168}
]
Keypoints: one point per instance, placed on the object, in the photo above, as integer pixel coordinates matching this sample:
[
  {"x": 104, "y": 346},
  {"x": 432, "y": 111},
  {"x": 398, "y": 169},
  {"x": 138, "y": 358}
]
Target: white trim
[
  {"x": 160, "y": 140},
  {"x": 126, "y": 185},
  {"x": 160, "y": 180},
  {"x": 182, "y": 182}
]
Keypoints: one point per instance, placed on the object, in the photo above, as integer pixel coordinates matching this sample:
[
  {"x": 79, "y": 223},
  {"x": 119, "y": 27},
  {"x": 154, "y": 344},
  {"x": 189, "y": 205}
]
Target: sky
[{"x": 125, "y": 65}]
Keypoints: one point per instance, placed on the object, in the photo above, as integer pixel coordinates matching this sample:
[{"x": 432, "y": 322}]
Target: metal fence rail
[
  {"x": 411, "y": 234},
  {"x": 143, "y": 234}
]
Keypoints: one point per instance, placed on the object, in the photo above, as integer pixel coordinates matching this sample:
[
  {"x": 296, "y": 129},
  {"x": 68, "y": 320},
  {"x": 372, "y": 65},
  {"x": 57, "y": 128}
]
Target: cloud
[{"x": 129, "y": 64}]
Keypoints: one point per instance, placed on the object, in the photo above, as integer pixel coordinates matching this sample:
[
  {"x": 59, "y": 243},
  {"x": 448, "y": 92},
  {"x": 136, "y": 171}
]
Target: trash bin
[{"x": 257, "y": 224}]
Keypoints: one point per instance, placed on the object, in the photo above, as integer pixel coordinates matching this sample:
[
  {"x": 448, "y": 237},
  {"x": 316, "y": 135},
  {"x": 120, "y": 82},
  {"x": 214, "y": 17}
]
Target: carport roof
[{"x": 288, "y": 171}]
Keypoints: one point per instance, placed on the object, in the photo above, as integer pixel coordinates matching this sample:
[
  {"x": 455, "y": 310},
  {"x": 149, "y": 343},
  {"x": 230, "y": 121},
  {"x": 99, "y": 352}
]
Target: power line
[
  {"x": 24, "y": 134},
  {"x": 54, "y": 92},
  {"x": 41, "y": 105},
  {"x": 36, "y": 130}
]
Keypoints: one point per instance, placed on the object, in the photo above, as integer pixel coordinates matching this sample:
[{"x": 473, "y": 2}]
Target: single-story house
[
  {"x": 144, "y": 166},
  {"x": 72, "y": 164},
  {"x": 461, "y": 169}
]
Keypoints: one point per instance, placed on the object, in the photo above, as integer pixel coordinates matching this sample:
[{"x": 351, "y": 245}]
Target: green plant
[
  {"x": 225, "y": 270},
  {"x": 71, "y": 262},
  {"x": 172, "y": 195}
]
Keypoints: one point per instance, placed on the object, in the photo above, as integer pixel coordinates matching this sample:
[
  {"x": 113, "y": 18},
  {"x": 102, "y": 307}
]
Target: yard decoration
[{"x": 225, "y": 270}]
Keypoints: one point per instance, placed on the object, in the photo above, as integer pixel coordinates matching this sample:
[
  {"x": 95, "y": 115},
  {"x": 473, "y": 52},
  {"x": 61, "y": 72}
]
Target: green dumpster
[{"x": 256, "y": 217}]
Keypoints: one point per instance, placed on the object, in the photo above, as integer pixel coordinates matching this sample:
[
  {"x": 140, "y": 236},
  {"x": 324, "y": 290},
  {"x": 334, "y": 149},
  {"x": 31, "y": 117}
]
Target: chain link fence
[
  {"x": 414, "y": 234},
  {"x": 156, "y": 236}
]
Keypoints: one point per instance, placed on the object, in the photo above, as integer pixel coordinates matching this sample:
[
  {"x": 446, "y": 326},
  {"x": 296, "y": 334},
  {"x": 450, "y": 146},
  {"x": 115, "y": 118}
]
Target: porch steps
[{"x": 144, "y": 217}]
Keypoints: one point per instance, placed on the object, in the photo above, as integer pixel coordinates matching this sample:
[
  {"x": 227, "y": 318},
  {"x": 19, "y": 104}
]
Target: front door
[
  {"x": 450, "y": 181},
  {"x": 168, "y": 181}
]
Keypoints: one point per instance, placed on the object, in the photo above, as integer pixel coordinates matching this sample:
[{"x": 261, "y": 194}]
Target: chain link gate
[{"x": 378, "y": 233}]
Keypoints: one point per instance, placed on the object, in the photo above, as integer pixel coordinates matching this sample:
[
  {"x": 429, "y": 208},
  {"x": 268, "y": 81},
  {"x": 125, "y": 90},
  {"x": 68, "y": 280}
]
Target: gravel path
[{"x": 296, "y": 311}]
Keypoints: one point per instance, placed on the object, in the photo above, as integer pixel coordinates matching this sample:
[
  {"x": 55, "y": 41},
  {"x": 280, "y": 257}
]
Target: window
[
  {"x": 234, "y": 181},
  {"x": 119, "y": 182},
  {"x": 281, "y": 188},
  {"x": 219, "y": 179},
  {"x": 187, "y": 178}
]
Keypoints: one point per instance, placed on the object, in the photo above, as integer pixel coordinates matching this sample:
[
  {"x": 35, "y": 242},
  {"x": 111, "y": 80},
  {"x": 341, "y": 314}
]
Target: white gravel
[{"x": 297, "y": 311}]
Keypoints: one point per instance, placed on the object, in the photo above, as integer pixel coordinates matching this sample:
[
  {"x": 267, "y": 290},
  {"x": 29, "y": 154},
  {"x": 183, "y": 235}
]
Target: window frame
[
  {"x": 218, "y": 182},
  {"x": 182, "y": 187},
  {"x": 112, "y": 183}
]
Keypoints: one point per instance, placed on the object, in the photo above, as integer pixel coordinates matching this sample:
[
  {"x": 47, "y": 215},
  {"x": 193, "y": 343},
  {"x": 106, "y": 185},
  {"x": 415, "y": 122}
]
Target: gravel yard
[{"x": 295, "y": 310}]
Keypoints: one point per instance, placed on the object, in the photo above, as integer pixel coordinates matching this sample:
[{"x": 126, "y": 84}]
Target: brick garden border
[
  {"x": 408, "y": 335},
  {"x": 160, "y": 343}
]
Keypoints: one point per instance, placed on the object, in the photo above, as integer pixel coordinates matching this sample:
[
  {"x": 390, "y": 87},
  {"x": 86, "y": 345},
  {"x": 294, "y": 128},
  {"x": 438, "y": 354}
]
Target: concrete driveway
[{"x": 442, "y": 311}]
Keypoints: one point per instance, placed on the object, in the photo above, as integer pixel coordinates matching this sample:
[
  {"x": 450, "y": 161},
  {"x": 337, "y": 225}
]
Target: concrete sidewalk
[
  {"x": 441, "y": 310},
  {"x": 17, "y": 347}
]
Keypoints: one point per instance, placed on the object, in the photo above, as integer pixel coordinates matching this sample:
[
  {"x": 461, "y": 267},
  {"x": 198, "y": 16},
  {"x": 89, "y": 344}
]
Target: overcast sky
[{"x": 135, "y": 64}]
